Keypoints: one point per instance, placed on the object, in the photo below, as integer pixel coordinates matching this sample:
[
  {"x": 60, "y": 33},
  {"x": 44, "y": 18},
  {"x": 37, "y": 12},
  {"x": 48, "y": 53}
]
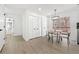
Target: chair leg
[
  {"x": 57, "y": 38},
  {"x": 68, "y": 42},
  {"x": 52, "y": 38},
  {"x": 61, "y": 38},
  {"x": 48, "y": 37}
]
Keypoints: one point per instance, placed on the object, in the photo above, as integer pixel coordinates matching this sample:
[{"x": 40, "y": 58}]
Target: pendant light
[{"x": 55, "y": 15}]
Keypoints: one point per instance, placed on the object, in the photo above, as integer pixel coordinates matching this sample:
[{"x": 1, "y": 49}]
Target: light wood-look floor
[{"x": 17, "y": 45}]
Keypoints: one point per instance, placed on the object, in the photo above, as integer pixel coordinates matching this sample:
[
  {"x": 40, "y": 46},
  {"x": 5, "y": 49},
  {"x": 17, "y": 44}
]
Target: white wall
[
  {"x": 17, "y": 17},
  {"x": 24, "y": 27},
  {"x": 49, "y": 24},
  {"x": 17, "y": 25}
]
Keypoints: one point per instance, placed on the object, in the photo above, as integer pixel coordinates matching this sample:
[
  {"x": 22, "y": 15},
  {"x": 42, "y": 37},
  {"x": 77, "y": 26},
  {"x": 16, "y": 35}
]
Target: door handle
[{"x": 0, "y": 29}]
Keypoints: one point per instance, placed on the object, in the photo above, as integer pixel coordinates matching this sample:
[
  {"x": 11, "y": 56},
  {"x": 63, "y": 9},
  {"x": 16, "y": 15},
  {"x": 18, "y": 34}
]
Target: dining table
[{"x": 59, "y": 34}]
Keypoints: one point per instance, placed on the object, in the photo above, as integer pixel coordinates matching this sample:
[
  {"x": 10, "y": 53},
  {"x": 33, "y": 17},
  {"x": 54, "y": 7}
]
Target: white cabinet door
[{"x": 34, "y": 26}]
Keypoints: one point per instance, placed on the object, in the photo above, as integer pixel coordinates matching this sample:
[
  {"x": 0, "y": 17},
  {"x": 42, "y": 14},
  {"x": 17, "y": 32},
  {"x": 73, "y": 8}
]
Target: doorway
[{"x": 9, "y": 26}]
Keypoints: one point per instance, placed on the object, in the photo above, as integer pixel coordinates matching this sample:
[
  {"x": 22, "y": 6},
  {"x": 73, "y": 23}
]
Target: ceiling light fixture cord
[{"x": 55, "y": 11}]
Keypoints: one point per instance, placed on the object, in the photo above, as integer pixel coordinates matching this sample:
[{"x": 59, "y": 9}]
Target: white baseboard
[{"x": 17, "y": 35}]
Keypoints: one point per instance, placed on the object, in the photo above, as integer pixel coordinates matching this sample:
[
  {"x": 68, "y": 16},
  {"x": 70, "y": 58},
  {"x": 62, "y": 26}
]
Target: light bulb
[{"x": 39, "y": 9}]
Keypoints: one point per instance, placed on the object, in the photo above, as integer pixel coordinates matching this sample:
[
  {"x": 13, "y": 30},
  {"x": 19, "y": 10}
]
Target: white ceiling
[{"x": 46, "y": 8}]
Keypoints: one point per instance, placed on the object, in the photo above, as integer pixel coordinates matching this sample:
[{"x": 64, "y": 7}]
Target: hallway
[{"x": 16, "y": 45}]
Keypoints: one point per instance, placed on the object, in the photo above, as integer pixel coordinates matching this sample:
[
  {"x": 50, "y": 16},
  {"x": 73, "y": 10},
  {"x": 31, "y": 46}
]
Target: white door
[
  {"x": 35, "y": 30},
  {"x": 2, "y": 32},
  {"x": 36, "y": 27}
]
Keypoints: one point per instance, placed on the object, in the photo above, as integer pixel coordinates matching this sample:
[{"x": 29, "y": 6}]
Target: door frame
[{"x": 12, "y": 23}]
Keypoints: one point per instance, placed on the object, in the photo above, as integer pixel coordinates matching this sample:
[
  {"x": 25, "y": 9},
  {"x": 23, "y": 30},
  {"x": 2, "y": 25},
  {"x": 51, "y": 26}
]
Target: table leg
[
  {"x": 57, "y": 38},
  {"x": 68, "y": 41},
  {"x": 52, "y": 38}
]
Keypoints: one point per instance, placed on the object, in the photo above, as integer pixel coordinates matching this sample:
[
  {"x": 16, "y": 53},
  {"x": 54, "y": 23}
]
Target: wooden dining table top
[{"x": 59, "y": 31}]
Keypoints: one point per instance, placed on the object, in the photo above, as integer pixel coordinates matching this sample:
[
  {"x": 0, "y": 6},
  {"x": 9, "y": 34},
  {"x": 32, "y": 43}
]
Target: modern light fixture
[
  {"x": 55, "y": 15},
  {"x": 4, "y": 14},
  {"x": 39, "y": 9}
]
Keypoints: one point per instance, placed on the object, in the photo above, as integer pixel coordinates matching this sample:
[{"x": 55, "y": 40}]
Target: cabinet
[{"x": 34, "y": 26}]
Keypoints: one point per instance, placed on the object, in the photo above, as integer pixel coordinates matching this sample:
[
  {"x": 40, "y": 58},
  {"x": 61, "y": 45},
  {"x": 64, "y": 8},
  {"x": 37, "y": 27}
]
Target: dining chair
[{"x": 65, "y": 35}]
